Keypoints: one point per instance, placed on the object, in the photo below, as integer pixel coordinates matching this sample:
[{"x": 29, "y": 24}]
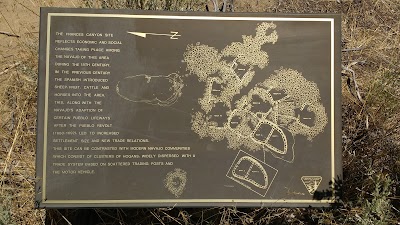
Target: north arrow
[{"x": 172, "y": 35}]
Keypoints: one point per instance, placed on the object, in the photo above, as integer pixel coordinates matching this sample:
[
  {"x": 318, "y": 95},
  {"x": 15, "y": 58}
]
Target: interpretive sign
[{"x": 142, "y": 108}]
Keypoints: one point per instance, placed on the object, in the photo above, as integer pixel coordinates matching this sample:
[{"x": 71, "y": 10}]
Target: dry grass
[
  {"x": 17, "y": 131},
  {"x": 370, "y": 105}
]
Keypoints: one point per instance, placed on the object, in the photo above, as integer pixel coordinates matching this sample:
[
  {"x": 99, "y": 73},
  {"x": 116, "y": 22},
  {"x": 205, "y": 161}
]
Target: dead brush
[{"x": 17, "y": 130}]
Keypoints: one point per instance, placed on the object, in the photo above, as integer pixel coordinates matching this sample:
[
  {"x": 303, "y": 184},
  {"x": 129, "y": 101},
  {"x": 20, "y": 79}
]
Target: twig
[
  {"x": 157, "y": 217},
  {"x": 9, "y": 34},
  {"x": 9, "y": 68},
  {"x": 66, "y": 220},
  {"x": 352, "y": 49},
  {"x": 215, "y": 3},
  {"x": 170, "y": 217},
  {"x": 4, "y": 134},
  {"x": 8, "y": 24},
  {"x": 224, "y": 6},
  {"x": 362, "y": 62},
  {"x": 27, "y": 8},
  {"x": 5, "y": 19},
  {"x": 6, "y": 161},
  {"x": 95, "y": 210},
  {"x": 347, "y": 68}
]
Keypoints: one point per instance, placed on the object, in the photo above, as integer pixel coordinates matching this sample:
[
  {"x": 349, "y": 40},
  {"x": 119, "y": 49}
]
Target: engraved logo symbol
[
  {"x": 311, "y": 183},
  {"x": 175, "y": 182}
]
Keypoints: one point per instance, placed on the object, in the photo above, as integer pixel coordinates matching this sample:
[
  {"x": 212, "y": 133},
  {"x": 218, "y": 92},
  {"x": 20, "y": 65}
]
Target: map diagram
[
  {"x": 252, "y": 173},
  {"x": 175, "y": 181},
  {"x": 271, "y": 114},
  {"x": 268, "y": 118},
  {"x": 153, "y": 90}
]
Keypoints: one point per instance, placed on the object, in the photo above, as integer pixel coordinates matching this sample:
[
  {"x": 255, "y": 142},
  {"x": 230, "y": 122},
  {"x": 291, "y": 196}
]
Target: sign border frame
[{"x": 43, "y": 92}]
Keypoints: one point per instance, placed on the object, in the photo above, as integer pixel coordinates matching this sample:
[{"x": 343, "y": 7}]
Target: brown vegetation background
[{"x": 370, "y": 105}]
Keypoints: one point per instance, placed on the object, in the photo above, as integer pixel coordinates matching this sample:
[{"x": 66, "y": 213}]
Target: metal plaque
[{"x": 155, "y": 109}]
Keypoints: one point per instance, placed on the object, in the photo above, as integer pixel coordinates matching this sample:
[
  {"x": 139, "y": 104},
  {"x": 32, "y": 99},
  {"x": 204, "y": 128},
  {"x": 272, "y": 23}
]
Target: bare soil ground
[{"x": 370, "y": 105}]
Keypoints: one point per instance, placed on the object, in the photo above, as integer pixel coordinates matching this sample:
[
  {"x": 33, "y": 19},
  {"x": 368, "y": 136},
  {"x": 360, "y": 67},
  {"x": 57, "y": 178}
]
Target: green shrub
[
  {"x": 377, "y": 211},
  {"x": 5, "y": 211}
]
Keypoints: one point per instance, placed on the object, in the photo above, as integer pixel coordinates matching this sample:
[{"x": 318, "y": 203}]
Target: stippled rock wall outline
[{"x": 289, "y": 104}]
